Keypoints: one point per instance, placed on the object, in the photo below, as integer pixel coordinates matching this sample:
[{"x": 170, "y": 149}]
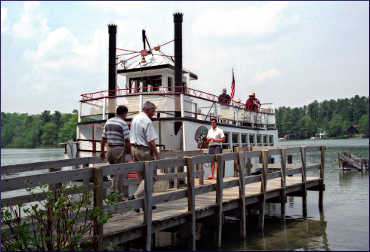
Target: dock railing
[{"x": 242, "y": 159}]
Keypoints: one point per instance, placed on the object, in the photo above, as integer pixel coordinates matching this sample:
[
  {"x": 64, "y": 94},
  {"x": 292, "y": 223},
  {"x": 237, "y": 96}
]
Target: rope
[
  {"x": 125, "y": 54},
  {"x": 127, "y": 50},
  {"x": 132, "y": 57},
  {"x": 166, "y": 43},
  {"x": 163, "y": 55}
]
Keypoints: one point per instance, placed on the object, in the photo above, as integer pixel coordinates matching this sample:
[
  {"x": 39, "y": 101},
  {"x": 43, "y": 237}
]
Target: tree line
[
  {"x": 334, "y": 117},
  {"x": 41, "y": 130}
]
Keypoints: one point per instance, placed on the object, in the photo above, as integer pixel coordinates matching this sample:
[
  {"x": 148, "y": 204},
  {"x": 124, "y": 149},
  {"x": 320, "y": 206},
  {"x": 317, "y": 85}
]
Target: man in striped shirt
[{"x": 117, "y": 134}]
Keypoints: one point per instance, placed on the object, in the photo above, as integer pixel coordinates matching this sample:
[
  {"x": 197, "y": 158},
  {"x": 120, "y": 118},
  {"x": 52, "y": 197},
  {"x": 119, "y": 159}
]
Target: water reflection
[{"x": 293, "y": 234}]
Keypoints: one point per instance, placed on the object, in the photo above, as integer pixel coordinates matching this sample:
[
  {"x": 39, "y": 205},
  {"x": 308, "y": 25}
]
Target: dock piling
[
  {"x": 283, "y": 184},
  {"x": 243, "y": 223},
  {"x": 322, "y": 165},
  {"x": 191, "y": 201},
  {"x": 148, "y": 186},
  {"x": 98, "y": 203},
  {"x": 304, "y": 182},
  {"x": 261, "y": 219},
  {"x": 219, "y": 197}
]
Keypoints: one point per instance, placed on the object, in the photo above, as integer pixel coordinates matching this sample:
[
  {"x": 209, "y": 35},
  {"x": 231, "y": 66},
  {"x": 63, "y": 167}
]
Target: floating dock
[{"x": 200, "y": 203}]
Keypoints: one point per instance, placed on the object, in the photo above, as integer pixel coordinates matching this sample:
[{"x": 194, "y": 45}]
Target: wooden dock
[
  {"x": 348, "y": 161},
  {"x": 198, "y": 200}
]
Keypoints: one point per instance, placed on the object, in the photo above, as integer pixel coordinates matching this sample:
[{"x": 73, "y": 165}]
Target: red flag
[{"x": 232, "y": 87}]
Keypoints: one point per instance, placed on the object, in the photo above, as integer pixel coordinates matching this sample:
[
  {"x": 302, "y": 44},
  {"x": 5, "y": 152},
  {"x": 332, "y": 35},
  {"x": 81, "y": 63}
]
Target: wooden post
[
  {"x": 243, "y": 222},
  {"x": 98, "y": 203},
  {"x": 248, "y": 166},
  {"x": 201, "y": 181},
  {"x": 261, "y": 219},
  {"x": 236, "y": 163},
  {"x": 200, "y": 173},
  {"x": 322, "y": 165},
  {"x": 191, "y": 201},
  {"x": 219, "y": 197},
  {"x": 176, "y": 179},
  {"x": 304, "y": 198},
  {"x": 283, "y": 183},
  {"x": 148, "y": 186}
]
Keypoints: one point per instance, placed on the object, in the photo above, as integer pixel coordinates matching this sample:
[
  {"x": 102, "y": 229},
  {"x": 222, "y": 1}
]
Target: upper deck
[{"x": 175, "y": 102}]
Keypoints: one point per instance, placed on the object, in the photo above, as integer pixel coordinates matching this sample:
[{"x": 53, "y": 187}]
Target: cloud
[
  {"x": 269, "y": 74},
  {"x": 252, "y": 19},
  {"x": 32, "y": 24},
  {"x": 61, "y": 55},
  {"x": 4, "y": 19}
]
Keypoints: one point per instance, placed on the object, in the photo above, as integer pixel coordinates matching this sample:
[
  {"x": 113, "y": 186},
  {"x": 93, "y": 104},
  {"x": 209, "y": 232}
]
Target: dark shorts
[{"x": 215, "y": 149}]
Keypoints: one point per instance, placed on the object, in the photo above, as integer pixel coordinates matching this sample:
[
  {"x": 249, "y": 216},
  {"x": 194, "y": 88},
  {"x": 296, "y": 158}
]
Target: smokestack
[
  {"x": 112, "y": 71},
  {"x": 177, "y": 19}
]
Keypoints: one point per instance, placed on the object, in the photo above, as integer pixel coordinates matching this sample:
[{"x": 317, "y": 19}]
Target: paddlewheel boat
[{"x": 183, "y": 113}]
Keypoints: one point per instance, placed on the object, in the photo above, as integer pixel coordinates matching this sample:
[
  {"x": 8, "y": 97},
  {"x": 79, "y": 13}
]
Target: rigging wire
[{"x": 127, "y": 50}]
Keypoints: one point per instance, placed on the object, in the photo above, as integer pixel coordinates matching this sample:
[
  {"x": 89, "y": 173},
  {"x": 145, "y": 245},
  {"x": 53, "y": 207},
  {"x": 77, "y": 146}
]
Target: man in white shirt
[
  {"x": 215, "y": 137},
  {"x": 142, "y": 139}
]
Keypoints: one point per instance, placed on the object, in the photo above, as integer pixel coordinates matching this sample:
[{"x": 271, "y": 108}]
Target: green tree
[
  {"x": 307, "y": 127},
  {"x": 45, "y": 117},
  {"x": 49, "y": 134},
  {"x": 337, "y": 126},
  {"x": 68, "y": 131},
  {"x": 56, "y": 118},
  {"x": 363, "y": 125}
]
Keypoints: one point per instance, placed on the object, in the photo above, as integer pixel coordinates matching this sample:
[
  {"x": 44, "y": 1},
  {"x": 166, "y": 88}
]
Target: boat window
[
  {"x": 258, "y": 140},
  {"x": 235, "y": 138},
  {"x": 265, "y": 140},
  {"x": 170, "y": 84},
  {"x": 147, "y": 83},
  {"x": 225, "y": 144},
  {"x": 244, "y": 138},
  {"x": 271, "y": 139},
  {"x": 251, "y": 139},
  {"x": 177, "y": 127}
]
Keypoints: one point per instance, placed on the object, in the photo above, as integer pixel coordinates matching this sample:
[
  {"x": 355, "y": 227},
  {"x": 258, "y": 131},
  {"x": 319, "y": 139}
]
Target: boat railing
[{"x": 175, "y": 101}]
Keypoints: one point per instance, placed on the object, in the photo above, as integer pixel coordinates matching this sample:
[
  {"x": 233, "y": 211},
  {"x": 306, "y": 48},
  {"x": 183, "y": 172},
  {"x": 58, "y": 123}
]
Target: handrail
[{"x": 163, "y": 90}]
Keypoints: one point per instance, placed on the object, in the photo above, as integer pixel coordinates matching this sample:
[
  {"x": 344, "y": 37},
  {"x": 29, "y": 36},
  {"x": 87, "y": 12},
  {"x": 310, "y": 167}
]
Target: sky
[{"x": 288, "y": 53}]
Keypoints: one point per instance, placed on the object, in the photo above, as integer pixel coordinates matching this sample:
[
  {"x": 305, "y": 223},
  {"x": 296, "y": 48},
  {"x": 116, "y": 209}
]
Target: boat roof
[{"x": 152, "y": 62}]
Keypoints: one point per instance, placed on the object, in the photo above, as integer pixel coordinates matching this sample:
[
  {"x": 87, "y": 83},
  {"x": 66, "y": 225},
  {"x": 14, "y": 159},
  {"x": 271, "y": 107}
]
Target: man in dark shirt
[
  {"x": 252, "y": 104},
  {"x": 249, "y": 103},
  {"x": 224, "y": 98}
]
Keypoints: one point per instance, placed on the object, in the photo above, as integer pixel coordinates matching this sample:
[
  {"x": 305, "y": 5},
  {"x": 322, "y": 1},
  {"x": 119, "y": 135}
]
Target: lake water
[{"x": 343, "y": 225}]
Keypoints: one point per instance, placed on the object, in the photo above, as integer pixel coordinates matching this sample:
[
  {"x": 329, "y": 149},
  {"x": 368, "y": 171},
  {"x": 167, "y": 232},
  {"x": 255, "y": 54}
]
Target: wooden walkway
[{"x": 178, "y": 206}]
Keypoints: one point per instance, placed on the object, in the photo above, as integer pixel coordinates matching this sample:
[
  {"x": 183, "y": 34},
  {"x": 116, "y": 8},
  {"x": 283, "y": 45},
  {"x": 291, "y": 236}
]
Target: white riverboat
[{"x": 183, "y": 112}]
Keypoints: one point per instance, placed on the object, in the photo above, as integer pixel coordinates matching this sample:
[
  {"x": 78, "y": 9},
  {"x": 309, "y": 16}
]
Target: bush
[{"x": 61, "y": 222}]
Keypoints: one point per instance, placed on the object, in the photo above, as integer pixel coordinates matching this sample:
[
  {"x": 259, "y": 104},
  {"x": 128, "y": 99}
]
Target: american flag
[{"x": 232, "y": 87}]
